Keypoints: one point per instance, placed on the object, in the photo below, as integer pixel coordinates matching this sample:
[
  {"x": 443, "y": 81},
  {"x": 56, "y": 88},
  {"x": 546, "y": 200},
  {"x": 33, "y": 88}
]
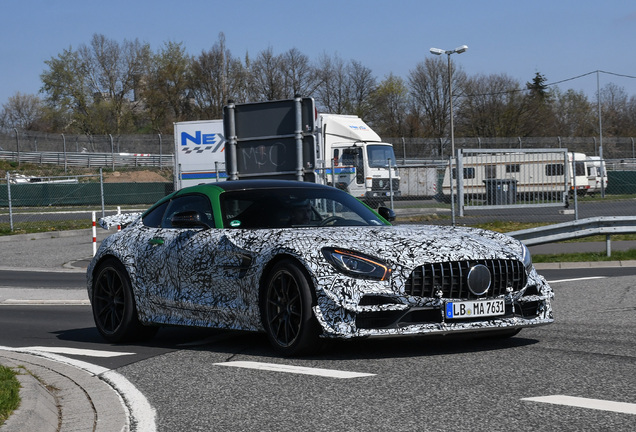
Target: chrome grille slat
[{"x": 450, "y": 277}]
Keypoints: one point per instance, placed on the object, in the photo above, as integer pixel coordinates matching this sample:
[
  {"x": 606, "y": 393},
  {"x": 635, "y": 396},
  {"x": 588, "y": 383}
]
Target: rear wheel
[
  {"x": 286, "y": 310},
  {"x": 113, "y": 305}
]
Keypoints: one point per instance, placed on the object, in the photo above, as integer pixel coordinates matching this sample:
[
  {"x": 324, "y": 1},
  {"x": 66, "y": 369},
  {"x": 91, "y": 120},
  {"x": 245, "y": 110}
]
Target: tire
[
  {"x": 286, "y": 310},
  {"x": 113, "y": 305}
]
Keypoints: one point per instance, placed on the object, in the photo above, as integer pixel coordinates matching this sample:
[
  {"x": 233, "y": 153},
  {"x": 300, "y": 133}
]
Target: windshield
[
  {"x": 294, "y": 207},
  {"x": 379, "y": 156}
]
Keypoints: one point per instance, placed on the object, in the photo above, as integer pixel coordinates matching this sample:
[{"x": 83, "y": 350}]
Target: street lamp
[{"x": 457, "y": 50}]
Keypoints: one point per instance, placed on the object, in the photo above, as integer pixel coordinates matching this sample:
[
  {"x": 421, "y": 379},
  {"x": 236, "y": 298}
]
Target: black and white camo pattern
[{"x": 211, "y": 278}]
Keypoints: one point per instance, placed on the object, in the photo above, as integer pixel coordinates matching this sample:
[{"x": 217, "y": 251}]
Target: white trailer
[
  {"x": 597, "y": 174},
  {"x": 199, "y": 152},
  {"x": 535, "y": 175}
]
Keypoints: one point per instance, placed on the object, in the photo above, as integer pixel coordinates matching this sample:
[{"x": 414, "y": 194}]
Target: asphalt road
[{"x": 410, "y": 383}]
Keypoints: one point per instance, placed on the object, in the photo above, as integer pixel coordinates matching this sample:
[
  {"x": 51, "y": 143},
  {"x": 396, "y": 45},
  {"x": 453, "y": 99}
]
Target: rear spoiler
[{"x": 121, "y": 219}]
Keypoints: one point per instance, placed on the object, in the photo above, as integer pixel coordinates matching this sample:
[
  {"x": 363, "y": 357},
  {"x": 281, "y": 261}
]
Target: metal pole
[
  {"x": 160, "y": 152},
  {"x": 64, "y": 148},
  {"x": 600, "y": 134},
  {"x": 452, "y": 189},
  {"x": 17, "y": 144},
  {"x": 232, "y": 170},
  {"x": 298, "y": 135},
  {"x": 460, "y": 182},
  {"x": 403, "y": 151},
  {"x": 9, "y": 198},
  {"x": 112, "y": 150},
  {"x": 576, "y": 195},
  {"x": 390, "y": 182},
  {"x": 450, "y": 102},
  {"x": 101, "y": 189}
]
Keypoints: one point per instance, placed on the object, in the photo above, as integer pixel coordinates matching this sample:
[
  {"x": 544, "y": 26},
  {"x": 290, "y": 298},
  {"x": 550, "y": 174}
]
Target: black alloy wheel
[
  {"x": 286, "y": 310},
  {"x": 113, "y": 305}
]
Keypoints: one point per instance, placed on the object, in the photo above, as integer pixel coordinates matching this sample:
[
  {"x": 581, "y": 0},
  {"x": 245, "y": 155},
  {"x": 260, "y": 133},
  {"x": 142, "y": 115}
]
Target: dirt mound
[{"x": 134, "y": 177}]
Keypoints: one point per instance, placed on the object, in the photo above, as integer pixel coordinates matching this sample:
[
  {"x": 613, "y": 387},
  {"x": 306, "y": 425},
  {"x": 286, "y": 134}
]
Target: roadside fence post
[
  {"x": 9, "y": 198},
  {"x": 101, "y": 189},
  {"x": 94, "y": 236}
]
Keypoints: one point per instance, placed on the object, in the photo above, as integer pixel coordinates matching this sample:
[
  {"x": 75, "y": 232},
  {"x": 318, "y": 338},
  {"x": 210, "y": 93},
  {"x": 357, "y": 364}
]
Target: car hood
[{"x": 401, "y": 244}]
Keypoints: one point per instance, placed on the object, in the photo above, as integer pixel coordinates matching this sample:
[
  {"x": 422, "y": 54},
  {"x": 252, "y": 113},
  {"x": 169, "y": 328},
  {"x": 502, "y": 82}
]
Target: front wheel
[
  {"x": 286, "y": 310},
  {"x": 114, "y": 307}
]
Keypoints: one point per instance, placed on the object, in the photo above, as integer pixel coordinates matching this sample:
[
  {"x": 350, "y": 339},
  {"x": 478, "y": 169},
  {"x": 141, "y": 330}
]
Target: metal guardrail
[
  {"x": 603, "y": 225},
  {"x": 91, "y": 160}
]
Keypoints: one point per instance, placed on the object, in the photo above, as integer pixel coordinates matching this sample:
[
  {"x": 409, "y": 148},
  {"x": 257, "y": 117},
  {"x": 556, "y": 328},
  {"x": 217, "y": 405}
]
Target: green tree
[
  {"x": 165, "y": 89},
  {"x": 94, "y": 86},
  {"x": 538, "y": 115},
  {"x": 390, "y": 100}
]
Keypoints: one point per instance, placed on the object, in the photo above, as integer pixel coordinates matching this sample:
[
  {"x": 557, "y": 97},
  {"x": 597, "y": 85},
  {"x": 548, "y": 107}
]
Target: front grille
[
  {"x": 383, "y": 184},
  {"x": 450, "y": 278}
]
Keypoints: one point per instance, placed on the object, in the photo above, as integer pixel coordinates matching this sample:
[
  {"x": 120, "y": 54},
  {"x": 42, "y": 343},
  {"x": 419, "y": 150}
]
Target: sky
[{"x": 561, "y": 39}]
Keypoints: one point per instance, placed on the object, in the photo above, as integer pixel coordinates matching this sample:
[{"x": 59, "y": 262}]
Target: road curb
[{"x": 82, "y": 401}]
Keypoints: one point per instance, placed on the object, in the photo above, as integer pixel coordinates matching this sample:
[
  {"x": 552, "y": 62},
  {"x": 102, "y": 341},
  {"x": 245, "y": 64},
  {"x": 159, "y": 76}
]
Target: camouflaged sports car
[{"x": 302, "y": 261}]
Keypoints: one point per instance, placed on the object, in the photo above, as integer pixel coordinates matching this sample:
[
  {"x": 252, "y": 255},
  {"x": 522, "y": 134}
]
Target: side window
[
  {"x": 199, "y": 203},
  {"x": 490, "y": 171},
  {"x": 154, "y": 218},
  {"x": 554, "y": 169}
]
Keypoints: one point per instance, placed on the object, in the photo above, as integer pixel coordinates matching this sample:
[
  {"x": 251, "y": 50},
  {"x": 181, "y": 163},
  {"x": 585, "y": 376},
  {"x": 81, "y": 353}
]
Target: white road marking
[
  {"x": 330, "y": 373},
  {"x": 597, "y": 404},
  {"x": 142, "y": 413},
  {"x": 577, "y": 279},
  {"x": 78, "y": 351}
]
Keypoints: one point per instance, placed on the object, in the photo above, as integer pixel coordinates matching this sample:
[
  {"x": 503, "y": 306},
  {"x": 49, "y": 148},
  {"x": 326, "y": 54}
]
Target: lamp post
[{"x": 457, "y": 50}]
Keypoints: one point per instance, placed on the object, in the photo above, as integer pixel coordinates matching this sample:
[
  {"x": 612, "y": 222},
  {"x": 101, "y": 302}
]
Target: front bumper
[{"x": 391, "y": 314}]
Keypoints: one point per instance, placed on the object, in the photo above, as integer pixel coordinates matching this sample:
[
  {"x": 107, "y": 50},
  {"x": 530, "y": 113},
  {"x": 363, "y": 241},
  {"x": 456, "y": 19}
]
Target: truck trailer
[
  {"x": 199, "y": 152},
  {"x": 534, "y": 175}
]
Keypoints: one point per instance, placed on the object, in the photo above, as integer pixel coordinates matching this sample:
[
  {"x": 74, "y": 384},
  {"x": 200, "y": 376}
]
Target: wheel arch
[{"x": 282, "y": 257}]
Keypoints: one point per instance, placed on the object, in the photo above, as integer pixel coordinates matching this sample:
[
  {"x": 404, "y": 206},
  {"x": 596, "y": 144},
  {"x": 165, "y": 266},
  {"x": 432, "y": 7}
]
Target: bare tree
[
  {"x": 333, "y": 95},
  {"x": 492, "y": 107},
  {"x": 216, "y": 77},
  {"x": 574, "y": 115},
  {"x": 267, "y": 80},
  {"x": 614, "y": 102},
  {"x": 22, "y": 111},
  {"x": 301, "y": 78},
  {"x": 362, "y": 85},
  {"x": 430, "y": 93}
]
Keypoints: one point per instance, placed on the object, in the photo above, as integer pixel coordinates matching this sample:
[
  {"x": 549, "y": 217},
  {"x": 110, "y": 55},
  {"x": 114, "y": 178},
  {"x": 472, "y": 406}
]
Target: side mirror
[
  {"x": 386, "y": 213},
  {"x": 188, "y": 219}
]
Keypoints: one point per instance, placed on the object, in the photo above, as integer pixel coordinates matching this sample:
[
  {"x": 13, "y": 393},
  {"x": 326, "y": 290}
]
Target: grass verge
[{"x": 9, "y": 393}]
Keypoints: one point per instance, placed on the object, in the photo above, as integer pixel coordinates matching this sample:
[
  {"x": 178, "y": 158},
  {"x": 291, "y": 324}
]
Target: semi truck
[{"x": 290, "y": 139}]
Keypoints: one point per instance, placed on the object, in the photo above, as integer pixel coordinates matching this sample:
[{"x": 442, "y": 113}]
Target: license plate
[{"x": 475, "y": 308}]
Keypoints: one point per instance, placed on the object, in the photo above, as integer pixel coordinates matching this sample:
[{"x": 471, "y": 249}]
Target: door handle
[{"x": 156, "y": 241}]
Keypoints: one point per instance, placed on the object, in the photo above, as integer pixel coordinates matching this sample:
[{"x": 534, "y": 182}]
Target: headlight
[
  {"x": 526, "y": 258},
  {"x": 357, "y": 264}
]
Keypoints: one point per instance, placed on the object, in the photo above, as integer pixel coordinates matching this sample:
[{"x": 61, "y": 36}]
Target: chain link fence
[
  {"x": 55, "y": 178},
  {"x": 30, "y": 202},
  {"x": 405, "y": 148}
]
